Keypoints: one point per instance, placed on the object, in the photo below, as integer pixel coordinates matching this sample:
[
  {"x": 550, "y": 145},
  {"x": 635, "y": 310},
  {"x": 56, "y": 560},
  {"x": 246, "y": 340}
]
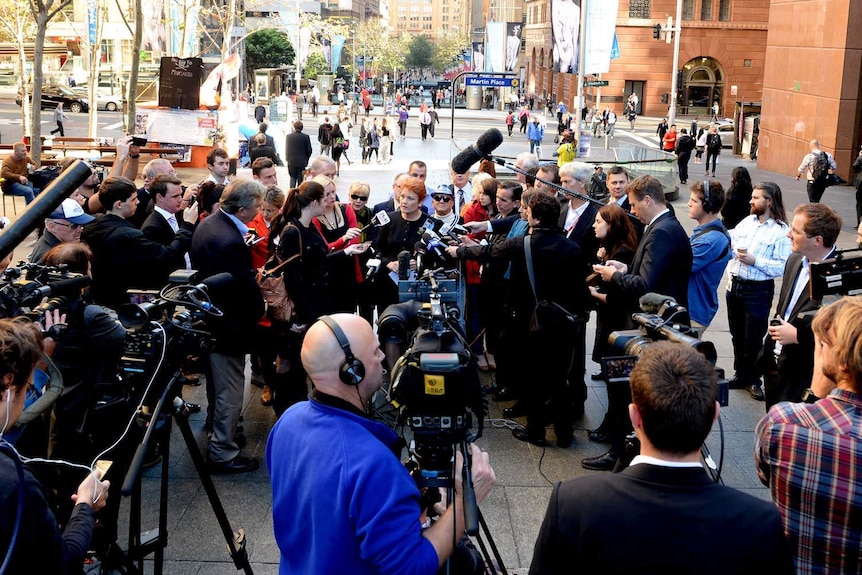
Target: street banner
[
  {"x": 153, "y": 26},
  {"x": 337, "y": 47},
  {"x": 615, "y": 49},
  {"x": 479, "y": 56},
  {"x": 601, "y": 24},
  {"x": 565, "y": 28},
  {"x": 92, "y": 20},
  {"x": 304, "y": 45},
  {"x": 184, "y": 16},
  {"x": 495, "y": 46},
  {"x": 513, "y": 45}
]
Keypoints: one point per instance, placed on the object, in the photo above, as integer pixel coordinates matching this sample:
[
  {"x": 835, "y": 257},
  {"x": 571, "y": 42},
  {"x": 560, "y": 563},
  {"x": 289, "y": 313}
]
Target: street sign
[
  {"x": 595, "y": 83},
  {"x": 491, "y": 81}
]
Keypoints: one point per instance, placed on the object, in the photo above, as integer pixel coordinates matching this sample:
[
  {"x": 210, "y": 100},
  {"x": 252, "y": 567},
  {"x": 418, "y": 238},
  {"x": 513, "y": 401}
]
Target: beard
[{"x": 757, "y": 210}]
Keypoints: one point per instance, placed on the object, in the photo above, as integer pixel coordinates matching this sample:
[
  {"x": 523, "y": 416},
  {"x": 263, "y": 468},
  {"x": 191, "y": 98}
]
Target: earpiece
[
  {"x": 707, "y": 204},
  {"x": 352, "y": 370}
]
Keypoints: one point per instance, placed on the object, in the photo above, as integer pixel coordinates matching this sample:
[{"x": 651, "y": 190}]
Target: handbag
[
  {"x": 279, "y": 305},
  {"x": 548, "y": 315}
]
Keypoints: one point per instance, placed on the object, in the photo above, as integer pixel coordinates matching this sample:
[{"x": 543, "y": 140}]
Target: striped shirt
[
  {"x": 810, "y": 457},
  {"x": 767, "y": 242}
]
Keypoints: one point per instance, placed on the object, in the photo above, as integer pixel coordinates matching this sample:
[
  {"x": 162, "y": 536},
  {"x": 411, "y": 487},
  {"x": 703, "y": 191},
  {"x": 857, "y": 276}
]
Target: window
[
  {"x": 706, "y": 10},
  {"x": 688, "y": 10},
  {"x": 724, "y": 10},
  {"x": 639, "y": 9}
]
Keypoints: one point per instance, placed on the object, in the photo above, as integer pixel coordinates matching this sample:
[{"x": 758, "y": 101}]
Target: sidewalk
[{"x": 525, "y": 473}]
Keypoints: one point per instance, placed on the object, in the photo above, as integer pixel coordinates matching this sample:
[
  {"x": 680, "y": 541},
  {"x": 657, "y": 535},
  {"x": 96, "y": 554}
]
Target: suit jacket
[
  {"x": 217, "y": 246},
  {"x": 270, "y": 141},
  {"x": 298, "y": 150},
  {"x": 627, "y": 206},
  {"x": 794, "y": 367},
  {"x": 583, "y": 232},
  {"x": 653, "y": 519},
  {"x": 157, "y": 229},
  {"x": 662, "y": 264}
]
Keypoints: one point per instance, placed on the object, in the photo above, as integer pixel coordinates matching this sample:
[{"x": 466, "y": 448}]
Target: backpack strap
[{"x": 715, "y": 229}]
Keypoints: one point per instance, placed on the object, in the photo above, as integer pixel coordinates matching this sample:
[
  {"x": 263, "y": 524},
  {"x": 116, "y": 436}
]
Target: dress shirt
[
  {"x": 808, "y": 163},
  {"x": 657, "y": 216},
  {"x": 767, "y": 242},
  {"x": 243, "y": 229},
  {"x": 572, "y": 216},
  {"x": 808, "y": 456},
  {"x": 649, "y": 460},
  {"x": 172, "y": 221}
]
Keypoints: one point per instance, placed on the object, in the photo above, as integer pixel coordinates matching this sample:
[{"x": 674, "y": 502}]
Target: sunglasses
[
  {"x": 358, "y": 197},
  {"x": 70, "y": 226},
  {"x": 445, "y": 199}
]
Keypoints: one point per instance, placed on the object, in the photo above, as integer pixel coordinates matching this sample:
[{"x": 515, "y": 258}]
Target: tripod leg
[{"x": 235, "y": 542}]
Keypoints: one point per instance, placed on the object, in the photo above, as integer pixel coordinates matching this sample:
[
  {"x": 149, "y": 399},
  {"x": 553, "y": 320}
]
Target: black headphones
[{"x": 351, "y": 371}]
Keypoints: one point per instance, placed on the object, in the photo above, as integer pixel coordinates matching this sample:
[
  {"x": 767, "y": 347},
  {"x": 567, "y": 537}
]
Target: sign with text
[
  {"x": 595, "y": 83},
  {"x": 180, "y": 82},
  {"x": 491, "y": 81}
]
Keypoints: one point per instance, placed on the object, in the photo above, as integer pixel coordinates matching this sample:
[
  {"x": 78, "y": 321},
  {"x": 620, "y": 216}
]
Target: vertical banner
[
  {"x": 601, "y": 25},
  {"x": 326, "y": 46},
  {"x": 337, "y": 47},
  {"x": 495, "y": 46},
  {"x": 92, "y": 18},
  {"x": 565, "y": 28},
  {"x": 304, "y": 45},
  {"x": 513, "y": 45},
  {"x": 615, "y": 49},
  {"x": 468, "y": 61},
  {"x": 478, "y": 56},
  {"x": 184, "y": 18},
  {"x": 153, "y": 26}
]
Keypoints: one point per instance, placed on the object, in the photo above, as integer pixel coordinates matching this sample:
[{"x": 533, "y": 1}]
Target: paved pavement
[{"x": 525, "y": 474}]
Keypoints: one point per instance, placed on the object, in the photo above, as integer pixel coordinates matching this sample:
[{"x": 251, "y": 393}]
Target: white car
[{"x": 104, "y": 101}]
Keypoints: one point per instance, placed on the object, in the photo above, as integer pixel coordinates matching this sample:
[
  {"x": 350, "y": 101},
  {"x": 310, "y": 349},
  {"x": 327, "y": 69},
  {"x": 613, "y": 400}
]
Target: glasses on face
[
  {"x": 445, "y": 199},
  {"x": 70, "y": 226},
  {"x": 358, "y": 197}
]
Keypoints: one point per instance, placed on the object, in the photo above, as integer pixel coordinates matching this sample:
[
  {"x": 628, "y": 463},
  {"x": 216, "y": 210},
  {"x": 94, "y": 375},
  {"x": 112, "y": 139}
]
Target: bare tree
[
  {"x": 16, "y": 20},
  {"x": 136, "y": 63},
  {"x": 43, "y": 11}
]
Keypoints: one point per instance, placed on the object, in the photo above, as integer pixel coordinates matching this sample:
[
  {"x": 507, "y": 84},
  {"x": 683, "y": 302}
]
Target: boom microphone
[
  {"x": 487, "y": 143},
  {"x": 61, "y": 287},
  {"x": 652, "y": 302}
]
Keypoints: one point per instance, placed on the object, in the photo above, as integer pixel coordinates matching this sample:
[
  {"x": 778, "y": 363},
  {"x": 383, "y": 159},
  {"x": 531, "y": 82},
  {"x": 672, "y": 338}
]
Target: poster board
[{"x": 187, "y": 127}]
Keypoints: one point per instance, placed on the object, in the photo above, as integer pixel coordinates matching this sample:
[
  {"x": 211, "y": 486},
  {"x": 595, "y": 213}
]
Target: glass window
[
  {"x": 639, "y": 9},
  {"x": 706, "y": 10},
  {"x": 724, "y": 10},
  {"x": 688, "y": 10}
]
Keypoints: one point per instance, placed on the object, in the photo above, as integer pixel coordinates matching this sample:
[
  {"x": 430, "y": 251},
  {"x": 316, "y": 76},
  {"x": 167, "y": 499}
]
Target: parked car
[
  {"x": 725, "y": 131},
  {"x": 52, "y": 94},
  {"x": 104, "y": 101}
]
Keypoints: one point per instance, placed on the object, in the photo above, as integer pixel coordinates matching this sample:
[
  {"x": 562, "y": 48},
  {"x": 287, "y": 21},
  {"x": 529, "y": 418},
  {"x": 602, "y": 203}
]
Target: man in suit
[
  {"x": 617, "y": 181},
  {"x": 151, "y": 170},
  {"x": 298, "y": 151},
  {"x": 219, "y": 246},
  {"x": 392, "y": 204},
  {"x": 662, "y": 264},
  {"x": 788, "y": 354},
  {"x": 162, "y": 225},
  {"x": 578, "y": 216},
  {"x": 263, "y": 170},
  {"x": 270, "y": 141},
  {"x": 595, "y": 523},
  {"x": 123, "y": 257}
]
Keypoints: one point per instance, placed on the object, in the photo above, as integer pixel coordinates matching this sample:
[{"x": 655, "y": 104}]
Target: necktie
[
  {"x": 173, "y": 223},
  {"x": 461, "y": 196}
]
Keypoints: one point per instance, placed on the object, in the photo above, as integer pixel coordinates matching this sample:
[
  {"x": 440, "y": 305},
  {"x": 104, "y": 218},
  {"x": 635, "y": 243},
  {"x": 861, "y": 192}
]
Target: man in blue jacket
[{"x": 535, "y": 133}]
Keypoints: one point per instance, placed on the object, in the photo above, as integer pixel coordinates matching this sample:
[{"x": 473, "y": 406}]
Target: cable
[{"x": 7, "y": 448}]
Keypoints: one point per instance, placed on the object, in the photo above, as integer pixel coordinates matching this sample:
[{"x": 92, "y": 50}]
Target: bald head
[{"x": 322, "y": 357}]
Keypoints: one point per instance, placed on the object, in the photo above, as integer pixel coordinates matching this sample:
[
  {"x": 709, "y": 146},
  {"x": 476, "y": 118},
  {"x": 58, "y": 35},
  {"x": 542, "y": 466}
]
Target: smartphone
[
  {"x": 775, "y": 321},
  {"x": 139, "y": 141}
]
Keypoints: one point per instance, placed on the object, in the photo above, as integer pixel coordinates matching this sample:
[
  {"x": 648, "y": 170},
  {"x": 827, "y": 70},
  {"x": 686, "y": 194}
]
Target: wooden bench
[{"x": 76, "y": 139}]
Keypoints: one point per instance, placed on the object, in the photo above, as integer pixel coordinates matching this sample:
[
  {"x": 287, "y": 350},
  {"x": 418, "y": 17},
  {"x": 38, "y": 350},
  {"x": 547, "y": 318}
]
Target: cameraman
[
  {"x": 40, "y": 547},
  {"x": 88, "y": 357},
  {"x": 333, "y": 469}
]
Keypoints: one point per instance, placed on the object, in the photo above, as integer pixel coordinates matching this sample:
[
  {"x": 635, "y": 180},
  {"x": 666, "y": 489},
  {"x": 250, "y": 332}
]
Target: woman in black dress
[{"x": 736, "y": 203}]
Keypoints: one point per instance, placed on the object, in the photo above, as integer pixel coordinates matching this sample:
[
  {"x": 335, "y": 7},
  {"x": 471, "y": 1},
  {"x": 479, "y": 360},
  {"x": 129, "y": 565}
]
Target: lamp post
[{"x": 674, "y": 88}]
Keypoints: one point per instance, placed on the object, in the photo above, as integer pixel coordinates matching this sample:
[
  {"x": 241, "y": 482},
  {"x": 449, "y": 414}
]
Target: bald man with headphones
[{"x": 342, "y": 500}]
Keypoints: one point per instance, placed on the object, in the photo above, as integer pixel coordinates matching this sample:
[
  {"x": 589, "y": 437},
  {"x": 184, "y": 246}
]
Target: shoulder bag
[
  {"x": 548, "y": 315},
  {"x": 270, "y": 278}
]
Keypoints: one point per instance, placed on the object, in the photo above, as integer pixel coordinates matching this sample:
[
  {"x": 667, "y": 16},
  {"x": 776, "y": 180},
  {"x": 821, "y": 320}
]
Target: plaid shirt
[
  {"x": 810, "y": 457},
  {"x": 767, "y": 242}
]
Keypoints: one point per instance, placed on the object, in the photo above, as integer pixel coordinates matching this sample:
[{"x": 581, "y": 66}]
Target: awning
[{"x": 11, "y": 49}]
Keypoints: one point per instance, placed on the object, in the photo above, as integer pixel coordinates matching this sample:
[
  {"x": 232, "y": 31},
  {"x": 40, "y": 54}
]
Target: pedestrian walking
[
  {"x": 510, "y": 122},
  {"x": 59, "y": 118},
  {"x": 713, "y": 148},
  {"x": 612, "y": 123},
  {"x": 535, "y": 133}
]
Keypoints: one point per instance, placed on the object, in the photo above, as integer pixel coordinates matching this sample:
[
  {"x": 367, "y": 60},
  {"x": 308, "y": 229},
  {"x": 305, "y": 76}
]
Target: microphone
[
  {"x": 216, "y": 281},
  {"x": 434, "y": 244},
  {"x": 404, "y": 265},
  {"x": 652, "y": 302},
  {"x": 373, "y": 266},
  {"x": 59, "y": 287},
  {"x": 487, "y": 143},
  {"x": 379, "y": 220}
]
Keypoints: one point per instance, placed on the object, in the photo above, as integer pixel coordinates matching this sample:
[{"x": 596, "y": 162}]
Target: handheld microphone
[
  {"x": 434, "y": 244},
  {"x": 379, "y": 220},
  {"x": 59, "y": 287},
  {"x": 487, "y": 143},
  {"x": 404, "y": 265},
  {"x": 373, "y": 266}
]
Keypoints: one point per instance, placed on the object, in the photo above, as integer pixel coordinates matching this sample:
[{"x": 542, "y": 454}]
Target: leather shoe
[
  {"x": 736, "y": 383},
  {"x": 598, "y": 376},
  {"x": 240, "y": 440},
  {"x": 516, "y": 410},
  {"x": 756, "y": 392},
  {"x": 505, "y": 394},
  {"x": 523, "y": 435},
  {"x": 238, "y": 464},
  {"x": 604, "y": 462},
  {"x": 599, "y": 436},
  {"x": 186, "y": 380},
  {"x": 193, "y": 407}
]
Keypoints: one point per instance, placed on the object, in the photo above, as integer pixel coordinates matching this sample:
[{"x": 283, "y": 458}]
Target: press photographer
[
  {"x": 29, "y": 535},
  {"x": 356, "y": 493}
]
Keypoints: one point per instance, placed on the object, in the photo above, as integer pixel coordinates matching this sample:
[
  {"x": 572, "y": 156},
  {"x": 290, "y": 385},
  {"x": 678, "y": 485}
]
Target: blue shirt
[
  {"x": 342, "y": 502},
  {"x": 767, "y": 242},
  {"x": 710, "y": 249}
]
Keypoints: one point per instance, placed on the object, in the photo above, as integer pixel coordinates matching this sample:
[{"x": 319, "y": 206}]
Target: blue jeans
[{"x": 26, "y": 190}]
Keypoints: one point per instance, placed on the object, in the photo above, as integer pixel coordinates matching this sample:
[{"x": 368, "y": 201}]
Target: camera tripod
[{"x": 170, "y": 407}]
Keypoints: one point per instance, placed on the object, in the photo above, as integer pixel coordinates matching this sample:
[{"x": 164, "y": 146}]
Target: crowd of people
[{"x": 537, "y": 259}]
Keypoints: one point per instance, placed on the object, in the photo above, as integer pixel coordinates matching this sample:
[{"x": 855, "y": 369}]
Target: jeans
[
  {"x": 26, "y": 190},
  {"x": 748, "y": 306},
  {"x": 710, "y": 155},
  {"x": 536, "y": 147},
  {"x": 815, "y": 190},
  {"x": 295, "y": 175}
]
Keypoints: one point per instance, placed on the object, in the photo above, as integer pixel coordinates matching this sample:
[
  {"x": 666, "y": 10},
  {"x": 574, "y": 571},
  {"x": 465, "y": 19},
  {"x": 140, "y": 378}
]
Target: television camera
[
  {"x": 24, "y": 287},
  {"x": 840, "y": 275}
]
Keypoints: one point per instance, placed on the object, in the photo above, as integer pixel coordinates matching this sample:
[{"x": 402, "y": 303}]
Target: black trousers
[
  {"x": 815, "y": 190},
  {"x": 682, "y": 163},
  {"x": 748, "y": 306},
  {"x": 295, "y": 175}
]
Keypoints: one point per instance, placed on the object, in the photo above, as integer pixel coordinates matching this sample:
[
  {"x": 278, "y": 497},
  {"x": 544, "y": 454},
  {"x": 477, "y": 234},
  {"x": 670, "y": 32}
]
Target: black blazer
[
  {"x": 157, "y": 229},
  {"x": 217, "y": 246},
  {"x": 662, "y": 264},
  {"x": 270, "y": 141},
  {"x": 652, "y": 519},
  {"x": 639, "y": 225},
  {"x": 583, "y": 233},
  {"x": 298, "y": 150},
  {"x": 795, "y": 365}
]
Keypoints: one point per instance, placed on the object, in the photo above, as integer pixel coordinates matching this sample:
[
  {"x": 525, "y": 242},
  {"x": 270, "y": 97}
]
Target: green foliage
[
  {"x": 315, "y": 65},
  {"x": 268, "y": 48},
  {"x": 450, "y": 44},
  {"x": 419, "y": 53}
]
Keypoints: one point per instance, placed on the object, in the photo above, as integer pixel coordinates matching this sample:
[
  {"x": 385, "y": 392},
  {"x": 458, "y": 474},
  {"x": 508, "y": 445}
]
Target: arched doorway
[{"x": 703, "y": 84}]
